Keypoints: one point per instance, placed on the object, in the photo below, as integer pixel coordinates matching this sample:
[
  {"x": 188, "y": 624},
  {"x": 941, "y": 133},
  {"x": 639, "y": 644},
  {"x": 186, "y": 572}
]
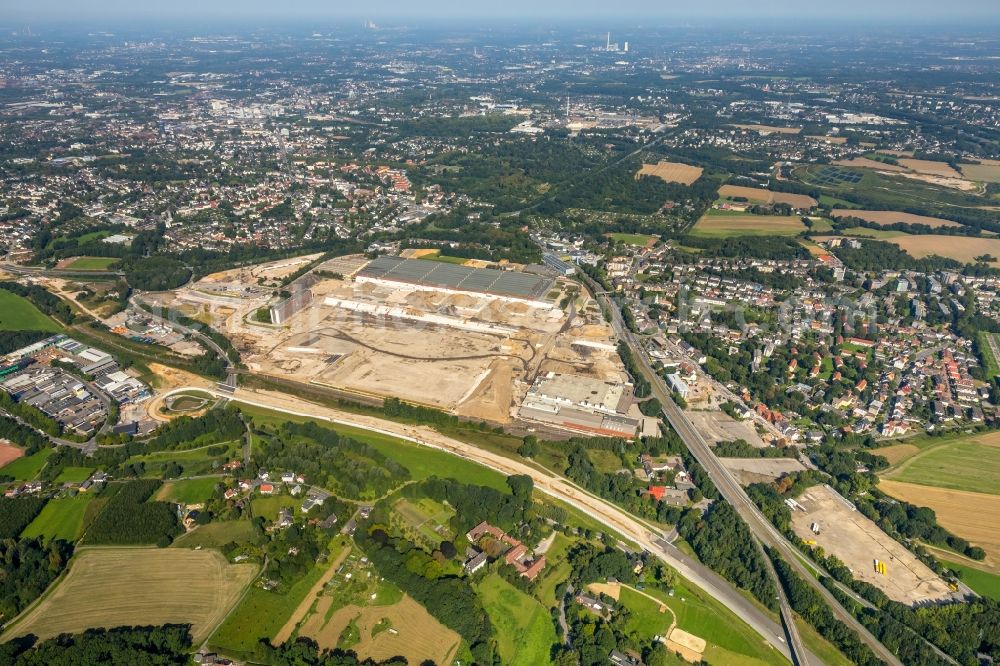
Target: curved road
[
  {"x": 557, "y": 487},
  {"x": 733, "y": 492}
]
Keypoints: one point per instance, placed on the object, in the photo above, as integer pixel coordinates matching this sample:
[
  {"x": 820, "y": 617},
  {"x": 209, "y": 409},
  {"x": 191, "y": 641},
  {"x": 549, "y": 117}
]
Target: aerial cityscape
[{"x": 523, "y": 335}]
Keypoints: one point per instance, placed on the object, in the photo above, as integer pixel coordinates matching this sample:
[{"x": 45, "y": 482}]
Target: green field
[
  {"x": 261, "y": 614},
  {"x": 74, "y": 474},
  {"x": 962, "y": 464},
  {"x": 18, "y": 314},
  {"x": 992, "y": 365},
  {"x": 423, "y": 462},
  {"x": 525, "y": 632},
  {"x": 26, "y": 468},
  {"x": 92, "y": 263},
  {"x": 730, "y": 223},
  {"x": 268, "y": 507},
  {"x": 445, "y": 259},
  {"x": 60, "y": 519},
  {"x": 188, "y": 491},
  {"x": 640, "y": 240},
  {"x": 218, "y": 534},
  {"x": 983, "y": 582},
  {"x": 557, "y": 569},
  {"x": 730, "y": 641}
]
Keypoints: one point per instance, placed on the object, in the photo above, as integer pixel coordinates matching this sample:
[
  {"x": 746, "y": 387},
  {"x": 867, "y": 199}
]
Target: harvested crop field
[
  {"x": 767, "y": 196},
  {"x": 858, "y": 542},
  {"x": 965, "y": 464},
  {"x": 770, "y": 129},
  {"x": 865, "y": 163},
  {"x": 972, "y": 516},
  {"x": 671, "y": 172},
  {"x": 413, "y": 632},
  {"x": 960, "y": 248},
  {"x": 897, "y": 452},
  {"x": 173, "y": 585},
  {"x": 885, "y": 217},
  {"x": 748, "y": 225},
  {"x": 988, "y": 171},
  {"x": 9, "y": 453},
  {"x": 930, "y": 167}
]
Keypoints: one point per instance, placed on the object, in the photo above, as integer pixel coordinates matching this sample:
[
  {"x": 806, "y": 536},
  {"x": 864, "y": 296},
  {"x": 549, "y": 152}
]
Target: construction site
[
  {"x": 822, "y": 517},
  {"x": 469, "y": 340}
]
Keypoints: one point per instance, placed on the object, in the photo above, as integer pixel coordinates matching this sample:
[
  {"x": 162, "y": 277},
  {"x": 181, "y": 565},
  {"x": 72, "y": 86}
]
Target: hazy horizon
[{"x": 846, "y": 11}]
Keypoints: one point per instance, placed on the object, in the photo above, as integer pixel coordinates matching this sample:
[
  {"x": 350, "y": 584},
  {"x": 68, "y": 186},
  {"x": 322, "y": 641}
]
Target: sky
[{"x": 435, "y": 10}]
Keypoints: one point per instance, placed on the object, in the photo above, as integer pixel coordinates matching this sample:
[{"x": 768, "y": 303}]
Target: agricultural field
[
  {"x": 217, "y": 534},
  {"x": 18, "y": 314},
  {"x": 986, "y": 172},
  {"x": 178, "y": 586},
  {"x": 62, "y": 518},
  {"x": 671, "y": 172},
  {"x": 972, "y": 516},
  {"x": 89, "y": 263},
  {"x": 884, "y": 217},
  {"x": 714, "y": 224},
  {"x": 26, "y": 468},
  {"x": 770, "y": 129},
  {"x": 9, "y": 453},
  {"x": 74, "y": 475},
  {"x": 866, "y": 163},
  {"x": 188, "y": 491},
  {"x": 930, "y": 167},
  {"x": 971, "y": 464},
  {"x": 638, "y": 240},
  {"x": 759, "y": 195},
  {"x": 524, "y": 630},
  {"x": 960, "y": 248}
]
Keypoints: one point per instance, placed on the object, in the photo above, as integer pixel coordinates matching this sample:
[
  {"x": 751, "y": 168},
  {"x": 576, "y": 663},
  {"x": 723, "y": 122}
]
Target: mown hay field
[
  {"x": 972, "y": 516},
  {"x": 960, "y": 248},
  {"x": 748, "y": 225},
  {"x": 884, "y": 217},
  {"x": 110, "y": 587},
  {"x": 671, "y": 172},
  {"x": 412, "y": 632},
  {"x": 767, "y": 196}
]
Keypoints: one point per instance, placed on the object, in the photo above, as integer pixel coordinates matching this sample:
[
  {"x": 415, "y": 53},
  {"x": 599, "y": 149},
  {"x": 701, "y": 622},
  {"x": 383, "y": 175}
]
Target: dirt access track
[{"x": 858, "y": 542}]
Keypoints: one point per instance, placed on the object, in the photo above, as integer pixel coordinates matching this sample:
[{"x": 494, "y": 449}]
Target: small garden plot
[{"x": 424, "y": 521}]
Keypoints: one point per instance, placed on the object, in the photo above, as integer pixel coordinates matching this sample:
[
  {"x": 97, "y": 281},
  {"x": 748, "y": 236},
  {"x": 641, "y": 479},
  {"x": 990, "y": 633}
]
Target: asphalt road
[
  {"x": 596, "y": 508},
  {"x": 733, "y": 492}
]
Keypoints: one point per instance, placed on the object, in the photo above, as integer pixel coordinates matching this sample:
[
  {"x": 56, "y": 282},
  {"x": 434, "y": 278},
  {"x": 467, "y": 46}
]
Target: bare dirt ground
[
  {"x": 891, "y": 217},
  {"x": 721, "y": 427},
  {"x": 972, "y": 516},
  {"x": 761, "y": 470},
  {"x": 671, "y": 172},
  {"x": 767, "y": 196},
  {"x": 9, "y": 453},
  {"x": 858, "y": 542}
]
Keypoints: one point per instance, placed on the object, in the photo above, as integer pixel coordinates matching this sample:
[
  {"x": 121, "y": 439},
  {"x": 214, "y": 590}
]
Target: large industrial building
[
  {"x": 581, "y": 403},
  {"x": 450, "y": 278}
]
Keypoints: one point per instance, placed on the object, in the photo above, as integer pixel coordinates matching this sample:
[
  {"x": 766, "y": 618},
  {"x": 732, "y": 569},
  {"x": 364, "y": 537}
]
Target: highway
[
  {"x": 227, "y": 386},
  {"x": 732, "y": 491},
  {"x": 598, "y": 509}
]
